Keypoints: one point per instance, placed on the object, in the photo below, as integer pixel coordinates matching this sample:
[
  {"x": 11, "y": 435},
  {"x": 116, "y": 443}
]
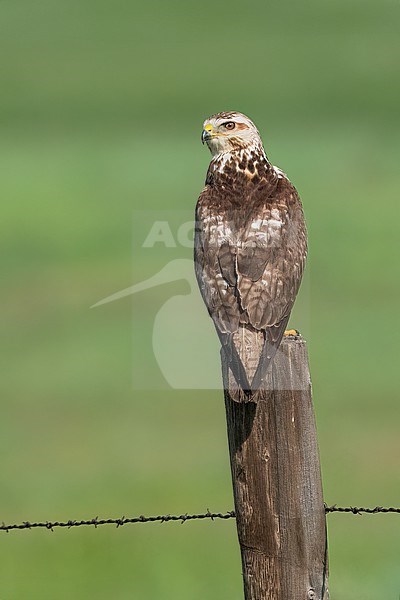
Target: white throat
[{"x": 254, "y": 153}]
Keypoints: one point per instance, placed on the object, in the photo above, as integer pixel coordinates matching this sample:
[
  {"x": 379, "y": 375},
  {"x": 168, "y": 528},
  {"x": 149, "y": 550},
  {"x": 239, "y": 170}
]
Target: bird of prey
[{"x": 250, "y": 247}]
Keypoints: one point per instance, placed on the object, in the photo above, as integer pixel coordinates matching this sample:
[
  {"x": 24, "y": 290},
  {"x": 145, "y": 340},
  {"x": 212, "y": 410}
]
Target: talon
[{"x": 291, "y": 333}]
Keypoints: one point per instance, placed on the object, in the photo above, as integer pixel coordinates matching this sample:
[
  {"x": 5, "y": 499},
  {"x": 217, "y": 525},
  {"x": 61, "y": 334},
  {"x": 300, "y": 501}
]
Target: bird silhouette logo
[{"x": 183, "y": 341}]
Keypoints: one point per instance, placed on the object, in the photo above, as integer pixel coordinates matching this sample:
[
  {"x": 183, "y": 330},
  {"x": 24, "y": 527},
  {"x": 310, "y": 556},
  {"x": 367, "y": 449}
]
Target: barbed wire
[
  {"x": 359, "y": 511},
  {"x": 119, "y": 522}
]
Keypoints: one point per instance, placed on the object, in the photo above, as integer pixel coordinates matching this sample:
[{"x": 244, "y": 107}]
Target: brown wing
[
  {"x": 214, "y": 253},
  {"x": 250, "y": 258},
  {"x": 216, "y": 276},
  {"x": 271, "y": 258}
]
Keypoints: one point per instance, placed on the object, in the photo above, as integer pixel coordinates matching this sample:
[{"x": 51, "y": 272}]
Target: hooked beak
[
  {"x": 205, "y": 136},
  {"x": 207, "y": 133}
]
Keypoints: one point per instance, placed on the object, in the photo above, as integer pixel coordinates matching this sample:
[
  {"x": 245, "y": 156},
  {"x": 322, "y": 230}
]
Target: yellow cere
[{"x": 208, "y": 127}]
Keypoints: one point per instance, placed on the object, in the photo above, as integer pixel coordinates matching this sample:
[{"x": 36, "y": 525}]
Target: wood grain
[{"x": 277, "y": 482}]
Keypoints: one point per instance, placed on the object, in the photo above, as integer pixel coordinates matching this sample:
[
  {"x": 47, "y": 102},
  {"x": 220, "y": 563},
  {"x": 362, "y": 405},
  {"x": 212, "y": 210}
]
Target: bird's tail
[
  {"x": 231, "y": 358},
  {"x": 249, "y": 354},
  {"x": 272, "y": 340}
]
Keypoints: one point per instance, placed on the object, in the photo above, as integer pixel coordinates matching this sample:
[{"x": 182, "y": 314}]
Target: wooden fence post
[{"x": 277, "y": 482}]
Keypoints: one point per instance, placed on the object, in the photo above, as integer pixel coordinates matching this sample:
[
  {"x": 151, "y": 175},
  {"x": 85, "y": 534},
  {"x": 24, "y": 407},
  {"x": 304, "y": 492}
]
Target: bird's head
[{"x": 229, "y": 131}]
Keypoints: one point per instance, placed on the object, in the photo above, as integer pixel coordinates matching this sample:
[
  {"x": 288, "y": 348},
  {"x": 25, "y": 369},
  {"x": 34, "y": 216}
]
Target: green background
[{"x": 101, "y": 108}]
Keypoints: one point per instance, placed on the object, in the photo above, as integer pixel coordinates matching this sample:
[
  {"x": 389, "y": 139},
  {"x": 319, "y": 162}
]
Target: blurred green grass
[{"x": 101, "y": 111}]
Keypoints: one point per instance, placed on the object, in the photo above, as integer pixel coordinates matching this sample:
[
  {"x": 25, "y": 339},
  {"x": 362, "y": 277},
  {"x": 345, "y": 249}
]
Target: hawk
[{"x": 250, "y": 247}]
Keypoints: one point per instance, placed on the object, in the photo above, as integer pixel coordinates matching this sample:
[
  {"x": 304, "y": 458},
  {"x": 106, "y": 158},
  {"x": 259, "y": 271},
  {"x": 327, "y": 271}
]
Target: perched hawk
[{"x": 250, "y": 247}]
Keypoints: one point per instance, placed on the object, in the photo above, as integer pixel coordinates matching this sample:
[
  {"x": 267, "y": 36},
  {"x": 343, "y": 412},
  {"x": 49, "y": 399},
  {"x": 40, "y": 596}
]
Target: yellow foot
[{"x": 292, "y": 333}]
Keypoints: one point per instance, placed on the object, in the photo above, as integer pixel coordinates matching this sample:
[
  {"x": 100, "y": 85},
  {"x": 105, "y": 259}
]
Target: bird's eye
[{"x": 229, "y": 125}]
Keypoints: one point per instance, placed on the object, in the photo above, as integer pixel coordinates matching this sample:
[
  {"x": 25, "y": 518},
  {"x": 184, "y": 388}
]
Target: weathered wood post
[{"x": 277, "y": 482}]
